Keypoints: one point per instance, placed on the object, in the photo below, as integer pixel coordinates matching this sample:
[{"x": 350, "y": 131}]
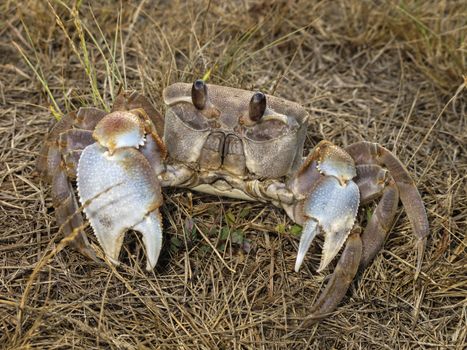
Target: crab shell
[{"x": 218, "y": 138}]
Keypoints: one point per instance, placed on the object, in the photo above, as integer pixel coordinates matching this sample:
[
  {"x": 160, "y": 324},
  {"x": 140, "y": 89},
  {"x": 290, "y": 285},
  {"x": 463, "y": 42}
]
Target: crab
[{"x": 225, "y": 142}]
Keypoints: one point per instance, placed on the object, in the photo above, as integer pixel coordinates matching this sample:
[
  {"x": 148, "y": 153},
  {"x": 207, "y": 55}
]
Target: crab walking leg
[
  {"x": 120, "y": 191},
  {"x": 50, "y": 154},
  {"x": 340, "y": 280},
  {"x": 57, "y": 163},
  {"x": 373, "y": 153},
  {"x": 374, "y": 181},
  {"x": 49, "y": 158},
  {"x": 127, "y": 101},
  {"x": 68, "y": 215}
]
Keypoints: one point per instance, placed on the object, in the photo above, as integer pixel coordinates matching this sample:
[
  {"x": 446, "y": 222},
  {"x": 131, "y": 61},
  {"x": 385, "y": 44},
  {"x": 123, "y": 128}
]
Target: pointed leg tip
[
  {"x": 421, "y": 244},
  {"x": 89, "y": 253}
]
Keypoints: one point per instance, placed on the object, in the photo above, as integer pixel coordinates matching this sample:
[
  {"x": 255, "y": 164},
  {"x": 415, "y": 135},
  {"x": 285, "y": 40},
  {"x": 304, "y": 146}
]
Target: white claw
[
  {"x": 310, "y": 230},
  {"x": 120, "y": 192},
  {"x": 334, "y": 207}
]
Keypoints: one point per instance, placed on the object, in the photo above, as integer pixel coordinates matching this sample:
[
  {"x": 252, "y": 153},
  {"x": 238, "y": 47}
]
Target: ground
[{"x": 390, "y": 73}]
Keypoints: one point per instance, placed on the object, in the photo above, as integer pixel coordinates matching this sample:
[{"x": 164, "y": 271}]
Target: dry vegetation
[{"x": 390, "y": 73}]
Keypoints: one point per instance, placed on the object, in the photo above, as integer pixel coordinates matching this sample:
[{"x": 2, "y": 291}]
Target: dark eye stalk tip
[
  {"x": 257, "y": 106},
  {"x": 199, "y": 94}
]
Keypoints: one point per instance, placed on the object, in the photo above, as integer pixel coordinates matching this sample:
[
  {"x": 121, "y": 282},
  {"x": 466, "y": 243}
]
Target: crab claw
[
  {"x": 331, "y": 200},
  {"x": 331, "y": 207},
  {"x": 119, "y": 188}
]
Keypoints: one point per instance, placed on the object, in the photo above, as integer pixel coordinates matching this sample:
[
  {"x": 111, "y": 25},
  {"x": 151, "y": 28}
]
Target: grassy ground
[{"x": 391, "y": 73}]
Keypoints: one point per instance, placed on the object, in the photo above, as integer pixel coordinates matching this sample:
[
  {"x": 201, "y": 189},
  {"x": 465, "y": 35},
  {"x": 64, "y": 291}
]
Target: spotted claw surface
[
  {"x": 120, "y": 191},
  {"x": 331, "y": 202},
  {"x": 332, "y": 208}
]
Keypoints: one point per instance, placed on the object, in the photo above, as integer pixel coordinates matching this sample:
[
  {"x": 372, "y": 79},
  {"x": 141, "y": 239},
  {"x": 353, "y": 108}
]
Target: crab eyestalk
[
  {"x": 258, "y": 111},
  {"x": 199, "y": 94},
  {"x": 257, "y": 106}
]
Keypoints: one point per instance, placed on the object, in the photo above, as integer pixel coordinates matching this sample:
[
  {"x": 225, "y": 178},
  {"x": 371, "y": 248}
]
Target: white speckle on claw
[
  {"x": 334, "y": 207},
  {"x": 120, "y": 192}
]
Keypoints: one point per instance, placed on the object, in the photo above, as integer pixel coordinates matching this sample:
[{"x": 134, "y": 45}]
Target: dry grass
[{"x": 381, "y": 73}]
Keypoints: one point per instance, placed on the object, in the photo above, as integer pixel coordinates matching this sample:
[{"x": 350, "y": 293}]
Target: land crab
[{"x": 227, "y": 142}]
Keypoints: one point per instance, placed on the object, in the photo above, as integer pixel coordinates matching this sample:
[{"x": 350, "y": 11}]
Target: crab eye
[
  {"x": 199, "y": 94},
  {"x": 257, "y": 106}
]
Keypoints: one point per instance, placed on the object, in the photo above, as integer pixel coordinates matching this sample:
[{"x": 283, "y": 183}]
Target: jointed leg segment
[
  {"x": 373, "y": 153},
  {"x": 57, "y": 164}
]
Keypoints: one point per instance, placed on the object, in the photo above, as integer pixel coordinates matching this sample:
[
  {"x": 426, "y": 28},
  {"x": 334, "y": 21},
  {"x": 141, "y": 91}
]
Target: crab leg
[
  {"x": 55, "y": 165},
  {"x": 68, "y": 216},
  {"x": 374, "y": 181},
  {"x": 340, "y": 280},
  {"x": 127, "y": 101},
  {"x": 60, "y": 141},
  {"x": 373, "y": 153}
]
